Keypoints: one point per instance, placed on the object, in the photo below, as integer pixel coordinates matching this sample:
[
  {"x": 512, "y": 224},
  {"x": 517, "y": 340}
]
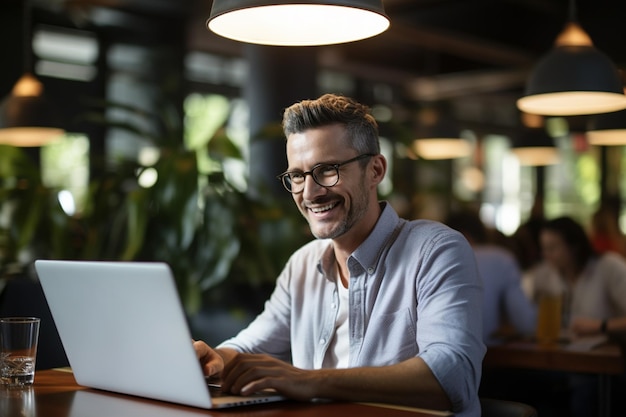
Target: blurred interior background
[{"x": 171, "y": 142}]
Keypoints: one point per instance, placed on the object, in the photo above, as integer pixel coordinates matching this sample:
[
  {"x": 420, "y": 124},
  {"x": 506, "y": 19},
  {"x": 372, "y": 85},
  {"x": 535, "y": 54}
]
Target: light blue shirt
[
  {"x": 504, "y": 298},
  {"x": 414, "y": 291}
]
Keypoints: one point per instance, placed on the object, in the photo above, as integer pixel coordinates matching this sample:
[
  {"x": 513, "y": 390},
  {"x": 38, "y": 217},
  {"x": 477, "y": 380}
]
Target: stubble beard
[{"x": 357, "y": 212}]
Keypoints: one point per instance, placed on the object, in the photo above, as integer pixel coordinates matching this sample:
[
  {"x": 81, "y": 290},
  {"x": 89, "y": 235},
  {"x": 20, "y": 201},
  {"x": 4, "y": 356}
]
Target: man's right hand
[{"x": 211, "y": 361}]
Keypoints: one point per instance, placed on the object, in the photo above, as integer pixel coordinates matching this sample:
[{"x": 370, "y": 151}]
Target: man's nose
[{"x": 311, "y": 188}]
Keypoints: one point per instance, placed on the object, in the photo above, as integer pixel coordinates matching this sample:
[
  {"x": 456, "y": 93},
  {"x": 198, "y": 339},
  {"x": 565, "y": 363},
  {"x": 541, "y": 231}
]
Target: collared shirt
[
  {"x": 414, "y": 291},
  {"x": 504, "y": 298}
]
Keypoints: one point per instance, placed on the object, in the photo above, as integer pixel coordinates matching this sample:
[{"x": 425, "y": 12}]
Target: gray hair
[{"x": 330, "y": 109}]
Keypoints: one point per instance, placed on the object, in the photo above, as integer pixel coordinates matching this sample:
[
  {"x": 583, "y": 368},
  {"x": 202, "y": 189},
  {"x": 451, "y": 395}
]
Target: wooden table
[
  {"x": 604, "y": 360},
  {"x": 56, "y": 394}
]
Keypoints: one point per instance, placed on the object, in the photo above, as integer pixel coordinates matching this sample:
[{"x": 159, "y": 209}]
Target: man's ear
[{"x": 378, "y": 168}]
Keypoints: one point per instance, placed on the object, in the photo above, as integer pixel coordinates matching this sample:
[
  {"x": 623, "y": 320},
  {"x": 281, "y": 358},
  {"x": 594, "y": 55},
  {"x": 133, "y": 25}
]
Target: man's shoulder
[
  {"x": 426, "y": 223},
  {"x": 425, "y": 234},
  {"x": 428, "y": 227}
]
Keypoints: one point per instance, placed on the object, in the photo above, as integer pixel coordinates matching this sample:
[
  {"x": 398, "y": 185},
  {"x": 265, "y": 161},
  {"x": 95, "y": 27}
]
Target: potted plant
[{"x": 213, "y": 235}]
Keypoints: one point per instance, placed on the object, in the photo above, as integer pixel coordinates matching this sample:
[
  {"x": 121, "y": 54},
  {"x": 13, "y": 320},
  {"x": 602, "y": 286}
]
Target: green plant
[
  {"x": 185, "y": 218},
  {"x": 31, "y": 219},
  {"x": 213, "y": 235}
]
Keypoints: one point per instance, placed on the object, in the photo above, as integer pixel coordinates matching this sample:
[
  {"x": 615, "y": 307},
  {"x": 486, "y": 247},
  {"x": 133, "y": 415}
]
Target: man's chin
[
  {"x": 326, "y": 231},
  {"x": 319, "y": 234}
]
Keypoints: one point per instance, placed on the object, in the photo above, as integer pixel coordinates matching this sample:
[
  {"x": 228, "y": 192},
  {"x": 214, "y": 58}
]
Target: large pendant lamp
[
  {"x": 297, "y": 23},
  {"x": 574, "y": 78},
  {"x": 26, "y": 117}
]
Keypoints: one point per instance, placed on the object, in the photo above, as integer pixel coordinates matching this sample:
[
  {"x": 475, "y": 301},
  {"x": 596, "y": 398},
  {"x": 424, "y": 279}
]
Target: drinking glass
[{"x": 18, "y": 350}]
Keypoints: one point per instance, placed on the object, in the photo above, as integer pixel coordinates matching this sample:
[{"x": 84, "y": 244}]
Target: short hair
[{"x": 330, "y": 109}]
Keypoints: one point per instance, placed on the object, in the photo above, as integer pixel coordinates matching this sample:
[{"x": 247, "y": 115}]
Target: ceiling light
[
  {"x": 574, "y": 78},
  {"x": 297, "y": 23},
  {"x": 442, "y": 148},
  {"x": 438, "y": 136},
  {"x": 26, "y": 117},
  {"x": 534, "y": 147},
  {"x": 608, "y": 129}
]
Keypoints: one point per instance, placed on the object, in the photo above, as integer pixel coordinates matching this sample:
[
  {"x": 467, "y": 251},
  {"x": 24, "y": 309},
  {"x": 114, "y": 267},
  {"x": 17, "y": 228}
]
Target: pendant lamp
[
  {"x": 297, "y": 22},
  {"x": 26, "y": 117},
  {"x": 534, "y": 147},
  {"x": 439, "y": 137},
  {"x": 574, "y": 78},
  {"x": 608, "y": 129}
]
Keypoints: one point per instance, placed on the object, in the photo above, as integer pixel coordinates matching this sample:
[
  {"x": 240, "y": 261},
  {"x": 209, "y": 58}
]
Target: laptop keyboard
[{"x": 215, "y": 390}]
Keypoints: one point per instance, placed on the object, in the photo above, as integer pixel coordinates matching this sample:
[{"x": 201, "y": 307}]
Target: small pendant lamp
[
  {"x": 574, "y": 78},
  {"x": 608, "y": 129},
  {"x": 27, "y": 118},
  {"x": 299, "y": 22},
  {"x": 438, "y": 135},
  {"x": 534, "y": 147}
]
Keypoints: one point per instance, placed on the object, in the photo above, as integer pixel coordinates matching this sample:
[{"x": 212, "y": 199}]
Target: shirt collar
[{"x": 368, "y": 252}]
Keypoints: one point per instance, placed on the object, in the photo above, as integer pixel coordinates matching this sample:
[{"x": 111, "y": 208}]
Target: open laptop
[{"x": 124, "y": 330}]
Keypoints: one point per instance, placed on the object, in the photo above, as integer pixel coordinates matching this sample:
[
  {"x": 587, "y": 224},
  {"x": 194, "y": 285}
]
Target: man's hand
[
  {"x": 211, "y": 361},
  {"x": 410, "y": 382},
  {"x": 247, "y": 373},
  {"x": 582, "y": 326}
]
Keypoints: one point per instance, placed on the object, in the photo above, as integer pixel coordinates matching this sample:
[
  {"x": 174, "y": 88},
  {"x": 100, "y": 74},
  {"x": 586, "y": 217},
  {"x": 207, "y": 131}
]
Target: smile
[{"x": 323, "y": 208}]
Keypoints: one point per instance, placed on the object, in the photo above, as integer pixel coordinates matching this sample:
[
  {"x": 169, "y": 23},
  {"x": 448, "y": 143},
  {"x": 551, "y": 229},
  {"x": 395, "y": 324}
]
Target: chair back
[{"x": 492, "y": 407}]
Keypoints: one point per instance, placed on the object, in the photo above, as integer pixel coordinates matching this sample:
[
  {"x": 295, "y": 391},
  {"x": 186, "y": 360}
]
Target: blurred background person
[
  {"x": 507, "y": 311},
  {"x": 606, "y": 234},
  {"x": 593, "y": 284},
  {"x": 593, "y": 288},
  {"x": 527, "y": 250}
]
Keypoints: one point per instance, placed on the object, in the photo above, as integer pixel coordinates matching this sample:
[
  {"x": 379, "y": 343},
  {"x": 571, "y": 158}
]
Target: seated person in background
[
  {"x": 377, "y": 308},
  {"x": 504, "y": 302},
  {"x": 593, "y": 287},
  {"x": 605, "y": 233}
]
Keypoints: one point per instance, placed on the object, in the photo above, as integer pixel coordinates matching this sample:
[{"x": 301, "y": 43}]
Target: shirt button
[
  {"x": 333, "y": 306},
  {"x": 370, "y": 270},
  {"x": 322, "y": 341}
]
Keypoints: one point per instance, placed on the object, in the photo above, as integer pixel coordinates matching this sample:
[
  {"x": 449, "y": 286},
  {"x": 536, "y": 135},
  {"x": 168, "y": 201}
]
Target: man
[
  {"x": 506, "y": 307},
  {"x": 376, "y": 308}
]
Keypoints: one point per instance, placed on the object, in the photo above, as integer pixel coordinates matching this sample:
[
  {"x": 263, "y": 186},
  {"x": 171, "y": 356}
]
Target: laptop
[
  {"x": 92, "y": 403},
  {"x": 124, "y": 329}
]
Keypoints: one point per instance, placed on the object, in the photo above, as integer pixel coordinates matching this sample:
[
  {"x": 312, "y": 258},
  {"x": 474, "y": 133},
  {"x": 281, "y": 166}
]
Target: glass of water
[{"x": 18, "y": 350}]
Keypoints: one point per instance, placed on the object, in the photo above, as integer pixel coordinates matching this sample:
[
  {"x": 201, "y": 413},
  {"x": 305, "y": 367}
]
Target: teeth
[{"x": 321, "y": 209}]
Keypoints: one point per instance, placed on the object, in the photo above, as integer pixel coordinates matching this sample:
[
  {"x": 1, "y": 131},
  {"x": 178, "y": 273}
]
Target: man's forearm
[{"x": 408, "y": 383}]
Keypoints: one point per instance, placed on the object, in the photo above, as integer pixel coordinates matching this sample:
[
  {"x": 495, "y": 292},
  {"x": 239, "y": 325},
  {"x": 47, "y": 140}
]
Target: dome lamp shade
[
  {"x": 297, "y": 23},
  {"x": 574, "y": 78}
]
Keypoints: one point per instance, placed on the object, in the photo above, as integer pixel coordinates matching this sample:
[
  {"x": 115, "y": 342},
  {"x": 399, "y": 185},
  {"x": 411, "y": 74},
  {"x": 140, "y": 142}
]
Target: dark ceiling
[{"x": 435, "y": 49}]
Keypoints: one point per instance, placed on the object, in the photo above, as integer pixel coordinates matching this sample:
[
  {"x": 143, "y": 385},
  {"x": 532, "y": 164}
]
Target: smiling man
[{"x": 377, "y": 308}]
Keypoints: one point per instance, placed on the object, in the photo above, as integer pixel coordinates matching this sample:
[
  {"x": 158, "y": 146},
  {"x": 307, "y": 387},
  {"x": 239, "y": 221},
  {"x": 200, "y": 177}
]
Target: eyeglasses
[{"x": 326, "y": 175}]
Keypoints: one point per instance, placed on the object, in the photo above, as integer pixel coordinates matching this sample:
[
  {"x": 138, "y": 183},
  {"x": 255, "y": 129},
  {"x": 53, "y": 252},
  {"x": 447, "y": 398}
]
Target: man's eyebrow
[{"x": 312, "y": 167}]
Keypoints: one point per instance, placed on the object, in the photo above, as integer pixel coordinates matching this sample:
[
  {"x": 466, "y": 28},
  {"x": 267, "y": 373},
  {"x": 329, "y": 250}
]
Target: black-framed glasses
[{"x": 326, "y": 175}]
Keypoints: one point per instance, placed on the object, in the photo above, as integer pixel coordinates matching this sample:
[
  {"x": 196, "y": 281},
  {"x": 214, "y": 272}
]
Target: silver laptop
[
  {"x": 92, "y": 403},
  {"x": 124, "y": 330}
]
